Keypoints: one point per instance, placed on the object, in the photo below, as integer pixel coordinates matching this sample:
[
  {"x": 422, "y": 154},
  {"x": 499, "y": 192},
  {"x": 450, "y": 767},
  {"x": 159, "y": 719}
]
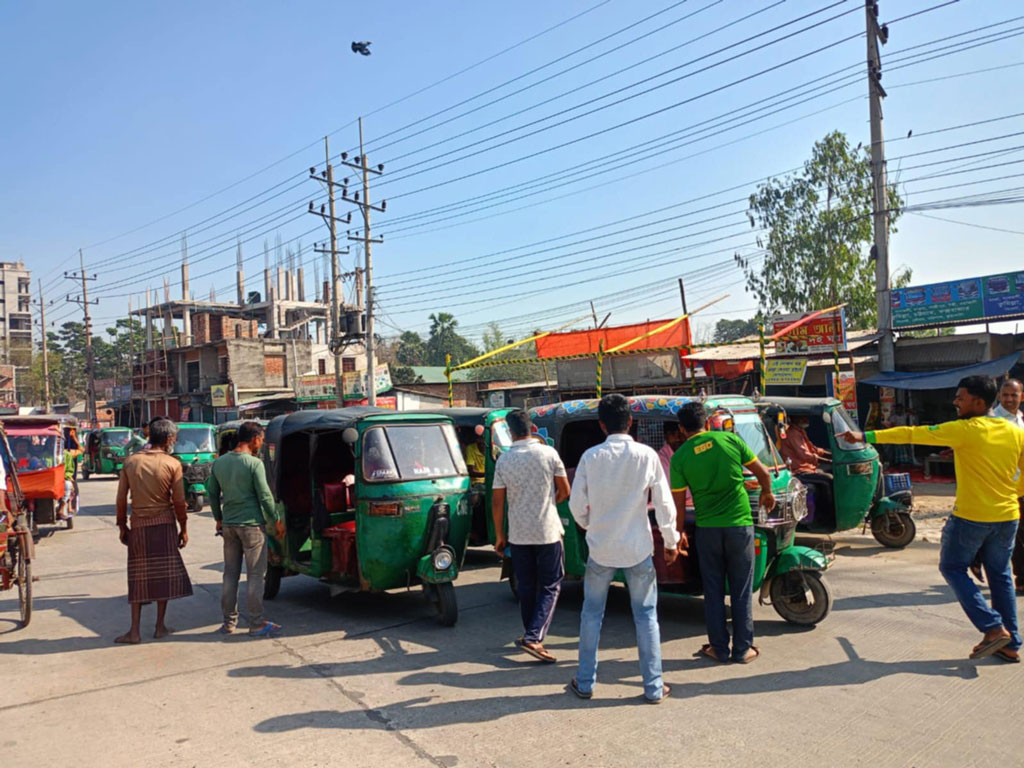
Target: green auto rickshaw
[
  {"x": 788, "y": 576},
  {"x": 476, "y": 426},
  {"x": 105, "y": 451},
  {"x": 227, "y": 434},
  {"x": 195, "y": 449},
  {"x": 368, "y": 500},
  {"x": 862, "y": 494}
]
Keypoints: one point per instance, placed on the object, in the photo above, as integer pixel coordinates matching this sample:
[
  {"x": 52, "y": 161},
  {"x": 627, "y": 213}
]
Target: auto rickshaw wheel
[
  {"x": 70, "y": 521},
  {"x": 24, "y": 575},
  {"x": 272, "y": 582},
  {"x": 442, "y": 597},
  {"x": 789, "y": 595},
  {"x": 894, "y": 530}
]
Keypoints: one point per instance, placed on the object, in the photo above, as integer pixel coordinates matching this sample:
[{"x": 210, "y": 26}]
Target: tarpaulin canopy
[
  {"x": 944, "y": 379},
  {"x": 586, "y": 342}
]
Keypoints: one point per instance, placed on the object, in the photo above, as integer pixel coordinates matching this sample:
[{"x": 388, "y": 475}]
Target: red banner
[
  {"x": 822, "y": 334},
  {"x": 586, "y": 342}
]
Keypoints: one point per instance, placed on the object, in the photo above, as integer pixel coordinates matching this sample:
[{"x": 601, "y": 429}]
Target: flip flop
[
  {"x": 1002, "y": 655},
  {"x": 709, "y": 652},
  {"x": 666, "y": 691},
  {"x": 985, "y": 649},
  {"x": 575, "y": 688},
  {"x": 747, "y": 660},
  {"x": 538, "y": 653},
  {"x": 266, "y": 630}
]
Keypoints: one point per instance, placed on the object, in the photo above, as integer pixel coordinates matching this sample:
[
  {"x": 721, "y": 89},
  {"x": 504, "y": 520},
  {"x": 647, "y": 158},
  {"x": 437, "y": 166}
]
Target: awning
[{"x": 944, "y": 379}]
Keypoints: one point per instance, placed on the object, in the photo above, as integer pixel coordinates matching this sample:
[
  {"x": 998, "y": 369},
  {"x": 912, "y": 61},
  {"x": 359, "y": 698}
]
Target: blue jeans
[
  {"x": 539, "y": 570},
  {"x": 643, "y": 598},
  {"x": 962, "y": 541},
  {"x": 728, "y": 553}
]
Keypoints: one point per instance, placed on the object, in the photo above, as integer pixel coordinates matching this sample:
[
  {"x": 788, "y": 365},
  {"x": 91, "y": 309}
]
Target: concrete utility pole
[
  {"x": 880, "y": 250},
  {"x": 362, "y": 164},
  {"x": 46, "y": 359},
  {"x": 90, "y": 366},
  {"x": 335, "y": 340}
]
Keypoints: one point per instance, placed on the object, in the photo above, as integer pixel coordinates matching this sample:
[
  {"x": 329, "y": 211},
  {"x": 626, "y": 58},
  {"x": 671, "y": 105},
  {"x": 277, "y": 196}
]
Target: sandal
[
  {"x": 268, "y": 629},
  {"x": 536, "y": 650},
  {"x": 666, "y": 691},
  {"x": 575, "y": 688},
  {"x": 747, "y": 658},
  {"x": 711, "y": 653},
  {"x": 1004, "y": 655},
  {"x": 987, "y": 648}
]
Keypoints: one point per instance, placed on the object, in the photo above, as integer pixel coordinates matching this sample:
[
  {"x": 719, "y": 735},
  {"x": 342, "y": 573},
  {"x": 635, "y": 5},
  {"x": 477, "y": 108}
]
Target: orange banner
[{"x": 586, "y": 342}]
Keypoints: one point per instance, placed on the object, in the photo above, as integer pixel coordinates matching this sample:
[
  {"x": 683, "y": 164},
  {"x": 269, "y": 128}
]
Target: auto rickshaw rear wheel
[
  {"x": 272, "y": 582},
  {"x": 789, "y": 595},
  {"x": 894, "y": 530},
  {"x": 442, "y": 597},
  {"x": 24, "y": 586}
]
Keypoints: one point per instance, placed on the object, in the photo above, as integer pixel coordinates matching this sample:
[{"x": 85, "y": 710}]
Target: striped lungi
[{"x": 155, "y": 568}]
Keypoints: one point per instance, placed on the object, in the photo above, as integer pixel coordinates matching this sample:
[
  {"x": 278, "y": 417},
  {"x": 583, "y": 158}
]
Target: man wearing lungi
[{"x": 156, "y": 530}]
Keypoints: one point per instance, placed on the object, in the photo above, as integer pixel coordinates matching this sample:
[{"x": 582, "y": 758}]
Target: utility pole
[
  {"x": 46, "y": 359},
  {"x": 880, "y": 249},
  {"x": 362, "y": 164},
  {"x": 90, "y": 366},
  {"x": 327, "y": 176}
]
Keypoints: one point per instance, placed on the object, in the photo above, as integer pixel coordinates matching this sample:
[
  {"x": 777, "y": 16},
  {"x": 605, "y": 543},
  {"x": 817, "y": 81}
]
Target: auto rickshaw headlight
[{"x": 443, "y": 558}]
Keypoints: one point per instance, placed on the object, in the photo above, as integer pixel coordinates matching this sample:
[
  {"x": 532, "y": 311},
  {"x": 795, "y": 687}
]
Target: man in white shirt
[
  {"x": 532, "y": 477},
  {"x": 1008, "y": 408},
  {"x": 609, "y": 499}
]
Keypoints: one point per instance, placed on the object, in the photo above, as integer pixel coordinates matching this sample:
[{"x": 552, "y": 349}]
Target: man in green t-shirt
[{"x": 711, "y": 466}]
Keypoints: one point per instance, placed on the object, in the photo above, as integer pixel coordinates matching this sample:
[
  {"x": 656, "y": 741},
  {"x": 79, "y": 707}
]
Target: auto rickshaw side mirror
[
  {"x": 350, "y": 436},
  {"x": 827, "y": 416}
]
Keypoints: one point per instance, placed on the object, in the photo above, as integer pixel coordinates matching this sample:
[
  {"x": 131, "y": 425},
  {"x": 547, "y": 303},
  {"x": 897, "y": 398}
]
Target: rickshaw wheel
[
  {"x": 442, "y": 597},
  {"x": 70, "y": 523},
  {"x": 790, "y": 602},
  {"x": 24, "y": 587},
  {"x": 272, "y": 582},
  {"x": 894, "y": 531}
]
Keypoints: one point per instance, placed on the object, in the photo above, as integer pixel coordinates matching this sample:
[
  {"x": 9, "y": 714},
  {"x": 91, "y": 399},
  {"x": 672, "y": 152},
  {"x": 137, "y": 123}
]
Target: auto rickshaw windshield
[
  {"x": 411, "y": 452},
  {"x": 842, "y": 422},
  {"x": 194, "y": 440},
  {"x": 115, "y": 439},
  {"x": 501, "y": 437},
  {"x": 752, "y": 431}
]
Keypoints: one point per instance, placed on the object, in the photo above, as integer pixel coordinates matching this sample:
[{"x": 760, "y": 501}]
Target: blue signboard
[{"x": 959, "y": 302}]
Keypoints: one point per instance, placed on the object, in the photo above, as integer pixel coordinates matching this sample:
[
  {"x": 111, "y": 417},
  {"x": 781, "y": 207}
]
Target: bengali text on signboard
[
  {"x": 974, "y": 299},
  {"x": 822, "y": 334},
  {"x": 785, "y": 371}
]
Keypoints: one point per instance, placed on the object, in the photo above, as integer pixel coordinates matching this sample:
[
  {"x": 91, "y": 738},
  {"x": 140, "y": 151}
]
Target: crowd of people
[{"x": 620, "y": 487}]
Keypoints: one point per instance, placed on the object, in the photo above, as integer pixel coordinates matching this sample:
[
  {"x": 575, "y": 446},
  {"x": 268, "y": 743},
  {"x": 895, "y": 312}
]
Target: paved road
[{"x": 369, "y": 681}]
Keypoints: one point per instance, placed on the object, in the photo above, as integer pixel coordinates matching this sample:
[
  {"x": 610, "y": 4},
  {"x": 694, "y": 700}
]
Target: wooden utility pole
[
  {"x": 46, "y": 359},
  {"x": 880, "y": 249},
  {"x": 90, "y": 363},
  {"x": 362, "y": 164}
]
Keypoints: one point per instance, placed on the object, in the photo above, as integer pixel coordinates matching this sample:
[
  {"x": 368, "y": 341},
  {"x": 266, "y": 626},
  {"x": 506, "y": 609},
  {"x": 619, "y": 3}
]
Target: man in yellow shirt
[{"x": 989, "y": 457}]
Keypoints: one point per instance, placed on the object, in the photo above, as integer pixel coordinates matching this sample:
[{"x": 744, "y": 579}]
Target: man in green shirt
[
  {"x": 239, "y": 477},
  {"x": 711, "y": 465}
]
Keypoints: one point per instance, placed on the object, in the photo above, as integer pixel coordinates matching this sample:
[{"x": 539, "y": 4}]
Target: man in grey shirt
[{"x": 532, "y": 477}]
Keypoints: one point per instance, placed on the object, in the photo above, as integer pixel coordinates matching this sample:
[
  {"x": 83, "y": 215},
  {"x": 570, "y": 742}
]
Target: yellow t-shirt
[
  {"x": 988, "y": 454},
  {"x": 475, "y": 459}
]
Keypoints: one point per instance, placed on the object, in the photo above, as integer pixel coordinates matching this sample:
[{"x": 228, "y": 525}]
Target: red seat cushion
[{"x": 337, "y": 497}]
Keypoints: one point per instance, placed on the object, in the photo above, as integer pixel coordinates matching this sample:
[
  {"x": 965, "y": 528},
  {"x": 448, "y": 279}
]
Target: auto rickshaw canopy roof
[
  {"x": 464, "y": 417},
  {"x": 38, "y": 420},
  {"x": 806, "y": 406}
]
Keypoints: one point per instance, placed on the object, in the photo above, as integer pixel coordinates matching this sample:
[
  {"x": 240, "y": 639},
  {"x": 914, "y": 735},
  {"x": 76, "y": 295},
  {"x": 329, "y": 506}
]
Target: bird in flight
[{"x": 363, "y": 48}]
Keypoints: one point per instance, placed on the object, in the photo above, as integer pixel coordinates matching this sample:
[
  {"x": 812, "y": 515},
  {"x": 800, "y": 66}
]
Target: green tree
[
  {"x": 444, "y": 340},
  {"x": 514, "y": 371},
  {"x": 404, "y": 374},
  {"x": 410, "y": 349},
  {"x": 730, "y": 330},
  {"x": 819, "y": 235}
]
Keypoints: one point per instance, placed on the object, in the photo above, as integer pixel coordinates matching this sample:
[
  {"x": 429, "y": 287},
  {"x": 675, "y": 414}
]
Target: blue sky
[{"x": 123, "y": 113}]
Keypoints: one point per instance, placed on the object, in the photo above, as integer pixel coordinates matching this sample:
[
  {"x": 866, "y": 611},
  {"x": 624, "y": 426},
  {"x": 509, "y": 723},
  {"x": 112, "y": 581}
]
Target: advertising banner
[
  {"x": 785, "y": 371},
  {"x": 314, "y": 388},
  {"x": 822, "y": 334},
  {"x": 220, "y": 395},
  {"x": 355, "y": 383},
  {"x": 975, "y": 299},
  {"x": 845, "y": 389}
]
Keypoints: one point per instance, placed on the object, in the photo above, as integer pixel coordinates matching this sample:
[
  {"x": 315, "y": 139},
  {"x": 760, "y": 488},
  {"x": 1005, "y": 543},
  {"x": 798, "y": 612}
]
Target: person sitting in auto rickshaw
[
  {"x": 475, "y": 458},
  {"x": 23, "y": 460},
  {"x": 42, "y": 449},
  {"x": 804, "y": 459}
]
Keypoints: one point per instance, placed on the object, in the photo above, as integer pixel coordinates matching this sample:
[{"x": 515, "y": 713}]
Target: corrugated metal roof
[{"x": 752, "y": 350}]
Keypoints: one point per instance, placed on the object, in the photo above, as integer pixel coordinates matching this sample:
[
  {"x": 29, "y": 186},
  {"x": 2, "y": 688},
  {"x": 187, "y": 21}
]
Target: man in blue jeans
[
  {"x": 711, "y": 465},
  {"x": 988, "y": 456},
  {"x": 609, "y": 499}
]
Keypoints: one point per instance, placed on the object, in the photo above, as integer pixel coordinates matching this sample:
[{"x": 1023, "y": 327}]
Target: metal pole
[
  {"x": 886, "y": 350},
  {"x": 600, "y": 367},
  {"x": 371, "y": 389},
  {"x": 764, "y": 364},
  {"x": 90, "y": 365},
  {"x": 339, "y": 395},
  {"x": 46, "y": 360}
]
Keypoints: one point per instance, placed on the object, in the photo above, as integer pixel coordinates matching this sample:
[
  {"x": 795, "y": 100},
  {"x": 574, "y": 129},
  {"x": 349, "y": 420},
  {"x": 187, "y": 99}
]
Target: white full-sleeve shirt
[{"x": 609, "y": 499}]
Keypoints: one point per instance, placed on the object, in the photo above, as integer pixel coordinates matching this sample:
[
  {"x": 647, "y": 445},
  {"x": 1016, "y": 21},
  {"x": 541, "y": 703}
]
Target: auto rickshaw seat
[{"x": 337, "y": 497}]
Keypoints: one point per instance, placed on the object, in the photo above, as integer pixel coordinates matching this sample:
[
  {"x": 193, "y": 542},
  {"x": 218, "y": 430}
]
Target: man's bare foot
[
  {"x": 129, "y": 637},
  {"x": 162, "y": 631}
]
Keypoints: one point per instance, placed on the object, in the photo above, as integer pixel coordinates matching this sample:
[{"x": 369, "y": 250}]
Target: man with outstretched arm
[{"x": 988, "y": 458}]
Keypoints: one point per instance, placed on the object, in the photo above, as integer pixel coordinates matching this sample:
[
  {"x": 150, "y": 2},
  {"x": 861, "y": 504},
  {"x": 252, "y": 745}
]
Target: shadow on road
[{"x": 938, "y": 594}]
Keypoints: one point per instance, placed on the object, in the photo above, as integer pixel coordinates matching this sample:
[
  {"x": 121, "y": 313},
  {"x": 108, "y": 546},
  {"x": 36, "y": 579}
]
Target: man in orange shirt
[{"x": 803, "y": 458}]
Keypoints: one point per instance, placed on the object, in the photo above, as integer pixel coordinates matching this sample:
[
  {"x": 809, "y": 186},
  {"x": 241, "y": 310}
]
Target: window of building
[
  {"x": 321, "y": 367},
  {"x": 24, "y": 285},
  {"x": 23, "y": 303},
  {"x": 192, "y": 373},
  {"x": 348, "y": 365},
  {"x": 222, "y": 368}
]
